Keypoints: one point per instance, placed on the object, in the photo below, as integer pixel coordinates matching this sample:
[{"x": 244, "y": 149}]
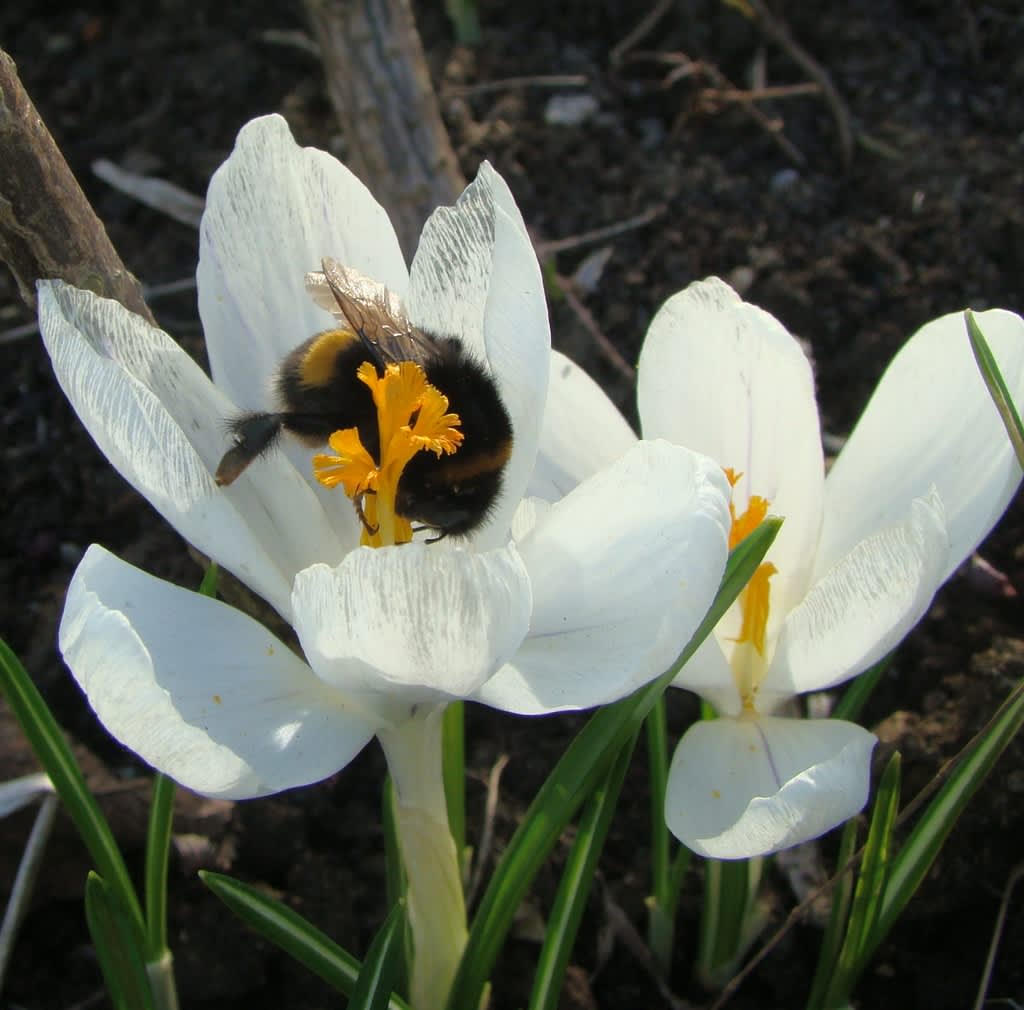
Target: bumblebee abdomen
[{"x": 472, "y": 395}]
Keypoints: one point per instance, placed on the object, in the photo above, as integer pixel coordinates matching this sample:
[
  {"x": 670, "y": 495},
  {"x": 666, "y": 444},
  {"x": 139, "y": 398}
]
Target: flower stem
[
  {"x": 161, "y": 981},
  {"x": 437, "y": 909}
]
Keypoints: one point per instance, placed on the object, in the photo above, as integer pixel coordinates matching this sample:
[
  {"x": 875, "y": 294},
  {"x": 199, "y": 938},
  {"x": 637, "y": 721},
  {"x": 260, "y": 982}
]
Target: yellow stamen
[
  {"x": 412, "y": 416},
  {"x": 754, "y": 600},
  {"x": 754, "y": 604}
]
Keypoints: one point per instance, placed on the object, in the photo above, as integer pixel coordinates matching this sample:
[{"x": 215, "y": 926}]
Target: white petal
[
  {"x": 930, "y": 422},
  {"x": 623, "y": 569},
  {"x": 272, "y": 212},
  {"x": 862, "y": 608},
  {"x": 742, "y": 788},
  {"x": 198, "y": 689},
  {"x": 725, "y": 378},
  {"x": 583, "y": 431},
  {"x": 476, "y": 277},
  {"x": 412, "y": 624},
  {"x": 709, "y": 674},
  {"x": 19, "y": 792},
  {"x": 160, "y": 421}
]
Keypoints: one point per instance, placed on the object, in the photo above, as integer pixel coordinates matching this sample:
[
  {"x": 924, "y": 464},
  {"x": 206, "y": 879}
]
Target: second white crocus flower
[{"x": 925, "y": 475}]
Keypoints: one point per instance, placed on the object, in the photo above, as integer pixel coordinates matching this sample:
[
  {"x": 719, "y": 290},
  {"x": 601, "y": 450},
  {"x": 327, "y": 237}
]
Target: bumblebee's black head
[
  {"x": 455, "y": 494},
  {"x": 453, "y": 499}
]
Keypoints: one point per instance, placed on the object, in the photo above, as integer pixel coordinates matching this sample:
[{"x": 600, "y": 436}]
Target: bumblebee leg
[
  {"x": 358, "y": 502},
  {"x": 251, "y": 436},
  {"x": 439, "y": 533}
]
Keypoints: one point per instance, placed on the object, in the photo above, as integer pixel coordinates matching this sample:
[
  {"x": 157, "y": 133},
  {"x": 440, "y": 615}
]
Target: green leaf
[
  {"x": 727, "y": 926},
  {"x": 379, "y": 973},
  {"x": 295, "y": 935},
  {"x": 574, "y": 887},
  {"x": 913, "y": 861},
  {"x": 832, "y": 939},
  {"x": 465, "y": 21},
  {"x": 453, "y": 762},
  {"x": 208, "y": 587},
  {"x": 867, "y": 898},
  {"x": 661, "y": 907},
  {"x": 856, "y": 695},
  {"x": 116, "y": 937},
  {"x": 53, "y": 753},
  {"x": 576, "y": 775},
  {"x": 394, "y": 878},
  {"x": 158, "y": 843},
  {"x": 996, "y": 385}
]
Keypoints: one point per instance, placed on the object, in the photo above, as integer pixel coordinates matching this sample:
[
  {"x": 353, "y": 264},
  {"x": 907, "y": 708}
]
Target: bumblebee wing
[{"x": 371, "y": 311}]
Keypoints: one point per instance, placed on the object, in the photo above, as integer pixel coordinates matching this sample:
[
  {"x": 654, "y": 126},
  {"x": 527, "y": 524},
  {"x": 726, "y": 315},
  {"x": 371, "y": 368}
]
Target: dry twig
[
  {"x": 778, "y": 31},
  {"x": 379, "y": 84},
  {"x": 546, "y": 248},
  {"x": 47, "y": 227},
  {"x": 642, "y": 28},
  {"x": 586, "y": 317}
]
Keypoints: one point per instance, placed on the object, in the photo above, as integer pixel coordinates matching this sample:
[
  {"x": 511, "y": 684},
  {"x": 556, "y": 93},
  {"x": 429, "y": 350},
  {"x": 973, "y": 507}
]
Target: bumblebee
[{"x": 318, "y": 392}]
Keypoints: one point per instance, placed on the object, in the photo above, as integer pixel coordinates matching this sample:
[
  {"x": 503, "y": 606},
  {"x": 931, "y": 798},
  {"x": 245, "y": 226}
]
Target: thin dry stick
[
  {"x": 512, "y": 83},
  {"x": 550, "y": 248},
  {"x": 586, "y": 317},
  {"x": 908, "y": 811},
  {"x": 149, "y": 292},
  {"x": 24, "y": 881},
  {"x": 642, "y": 28},
  {"x": 487, "y": 835},
  {"x": 160, "y": 194},
  {"x": 724, "y": 85},
  {"x": 684, "y": 68},
  {"x": 769, "y": 93},
  {"x": 997, "y": 933},
  {"x": 777, "y": 30},
  {"x": 47, "y": 227}
]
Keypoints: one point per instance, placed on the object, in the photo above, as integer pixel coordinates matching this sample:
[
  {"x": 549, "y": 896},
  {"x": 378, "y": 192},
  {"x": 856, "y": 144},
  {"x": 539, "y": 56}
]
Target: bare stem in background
[
  {"x": 47, "y": 227},
  {"x": 379, "y": 85}
]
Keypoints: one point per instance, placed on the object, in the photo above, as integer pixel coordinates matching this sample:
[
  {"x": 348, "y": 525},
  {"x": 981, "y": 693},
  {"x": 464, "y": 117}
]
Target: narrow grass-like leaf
[
  {"x": 394, "y": 879},
  {"x": 832, "y": 939},
  {"x": 158, "y": 843},
  {"x": 914, "y": 859},
  {"x": 580, "y": 769},
  {"x": 856, "y": 695},
  {"x": 574, "y": 887},
  {"x": 53, "y": 753},
  {"x": 867, "y": 897},
  {"x": 295, "y": 935},
  {"x": 379, "y": 972},
  {"x": 116, "y": 938},
  {"x": 465, "y": 21},
  {"x": 996, "y": 385},
  {"x": 208, "y": 586},
  {"x": 661, "y": 906},
  {"x": 453, "y": 765},
  {"x": 730, "y": 888},
  {"x": 20, "y": 895}
]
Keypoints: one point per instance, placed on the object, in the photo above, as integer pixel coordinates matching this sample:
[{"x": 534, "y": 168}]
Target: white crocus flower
[
  {"x": 548, "y": 606},
  {"x": 925, "y": 475}
]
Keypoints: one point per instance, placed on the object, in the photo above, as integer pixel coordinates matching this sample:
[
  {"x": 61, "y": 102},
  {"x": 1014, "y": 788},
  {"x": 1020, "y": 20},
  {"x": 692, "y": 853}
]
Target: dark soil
[{"x": 928, "y": 218}]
